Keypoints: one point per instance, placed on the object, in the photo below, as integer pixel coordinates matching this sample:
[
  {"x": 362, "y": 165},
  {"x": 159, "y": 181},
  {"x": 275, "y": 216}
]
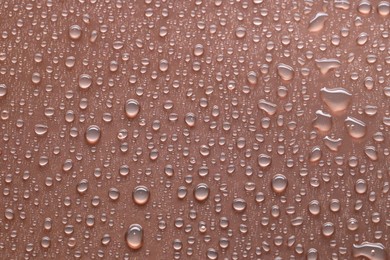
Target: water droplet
[
  {"x": 279, "y": 183},
  {"x": 85, "y": 81},
  {"x": 201, "y": 192},
  {"x": 92, "y": 134},
  {"x": 141, "y": 195},
  {"x": 45, "y": 242},
  {"x": 361, "y": 186},
  {"x": 82, "y": 186},
  {"x": 355, "y": 127},
  {"x": 264, "y": 160},
  {"x": 364, "y": 7},
  {"x": 318, "y": 22},
  {"x": 75, "y": 32},
  {"x": 332, "y": 143},
  {"x": 198, "y": 50},
  {"x": 323, "y": 121},
  {"x": 328, "y": 229},
  {"x": 239, "y": 204},
  {"x": 41, "y": 129},
  {"x": 337, "y": 99},
  {"x": 372, "y": 251},
  {"x": 384, "y": 8},
  {"x": 135, "y": 236},
  {"x": 362, "y": 38},
  {"x": 190, "y": 119},
  {"x": 132, "y": 108},
  {"x": 314, "y": 207},
  {"x": 3, "y": 90},
  {"x": 315, "y": 154},
  {"x": 240, "y": 32},
  {"x": 285, "y": 71},
  {"x": 327, "y": 64}
]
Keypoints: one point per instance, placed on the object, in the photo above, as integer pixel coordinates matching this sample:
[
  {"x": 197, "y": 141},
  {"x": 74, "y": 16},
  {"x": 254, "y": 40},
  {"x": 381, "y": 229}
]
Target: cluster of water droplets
[{"x": 203, "y": 129}]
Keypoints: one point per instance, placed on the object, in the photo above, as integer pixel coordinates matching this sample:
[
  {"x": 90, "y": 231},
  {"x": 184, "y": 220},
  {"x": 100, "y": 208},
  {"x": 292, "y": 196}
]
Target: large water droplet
[
  {"x": 85, "y": 81},
  {"x": 337, "y": 99},
  {"x": 279, "y": 183},
  {"x": 141, "y": 195},
  {"x": 132, "y": 108},
  {"x": 327, "y": 64},
  {"x": 372, "y": 251},
  {"x": 356, "y": 128},
  {"x": 323, "y": 121},
  {"x": 135, "y": 236},
  {"x": 285, "y": 71},
  {"x": 92, "y": 134},
  {"x": 318, "y": 22},
  {"x": 201, "y": 192},
  {"x": 75, "y": 32}
]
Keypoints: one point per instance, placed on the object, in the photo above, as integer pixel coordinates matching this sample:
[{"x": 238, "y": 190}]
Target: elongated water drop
[{"x": 134, "y": 236}]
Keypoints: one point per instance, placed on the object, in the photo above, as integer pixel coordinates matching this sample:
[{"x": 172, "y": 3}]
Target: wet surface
[{"x": 195, "y": 129}]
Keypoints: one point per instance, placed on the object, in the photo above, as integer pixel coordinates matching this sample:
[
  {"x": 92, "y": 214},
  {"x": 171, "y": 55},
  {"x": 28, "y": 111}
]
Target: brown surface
[{"x": 37, "y": 27}]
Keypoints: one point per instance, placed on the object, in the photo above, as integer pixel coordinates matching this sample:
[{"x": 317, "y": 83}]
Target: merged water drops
[
  {"x": 337, "y": 99},
  {"x": 318, "y": 22}
]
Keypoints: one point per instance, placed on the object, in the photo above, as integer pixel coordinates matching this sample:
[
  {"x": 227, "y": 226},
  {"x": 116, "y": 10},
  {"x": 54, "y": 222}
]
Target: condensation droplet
[
  {"x": 132, "y": 108},
  {"x": 337, "y": 99},
  {"x": 201, "y": 192},
  {"x": 318, "y": 22},
  {"x": 285, "y": 71},
  {"x": 75, "y": 32},
  {"x": 135, "y": 236},
  {"x": 85, "y": 81},
  {"x": 356, "y": 128},
  {"x": 141, "y": 195},
  {"x": 92, "y": 134},
  {"x": 279, "y": 183}
]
